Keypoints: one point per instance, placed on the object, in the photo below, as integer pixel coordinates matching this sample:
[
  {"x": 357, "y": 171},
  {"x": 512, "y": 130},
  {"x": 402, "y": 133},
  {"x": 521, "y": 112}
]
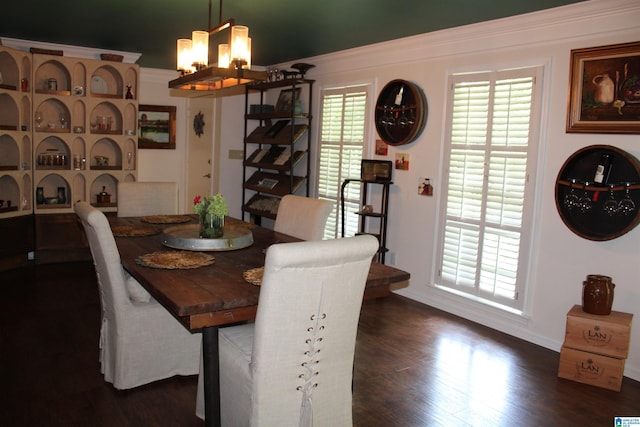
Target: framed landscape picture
[
  {"x": 604, "y": 89},
  {"x": 157, "y": 127},
  {"x": 287, "y": 99},
  {"x": 375, "y": 170}
]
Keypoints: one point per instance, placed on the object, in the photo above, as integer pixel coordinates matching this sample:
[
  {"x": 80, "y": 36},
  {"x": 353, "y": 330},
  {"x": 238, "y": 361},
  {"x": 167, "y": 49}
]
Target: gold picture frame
[
  {"x": 604, "y": 89},
  {"x": 157, "y": 127}
]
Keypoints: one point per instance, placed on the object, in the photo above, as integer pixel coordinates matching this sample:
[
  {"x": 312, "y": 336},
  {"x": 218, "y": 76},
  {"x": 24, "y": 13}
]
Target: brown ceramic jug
[{"x": 597, "y": 294}]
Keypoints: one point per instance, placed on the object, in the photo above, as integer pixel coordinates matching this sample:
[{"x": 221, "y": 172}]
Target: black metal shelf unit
[
  {"x": 368, "y": 217},
  {"x": 277, "y": 151}
]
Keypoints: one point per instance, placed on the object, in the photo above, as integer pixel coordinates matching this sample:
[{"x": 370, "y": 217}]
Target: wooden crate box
[
  {"x": 589, "y": 368},
  {"x": 607, "y": 335}
]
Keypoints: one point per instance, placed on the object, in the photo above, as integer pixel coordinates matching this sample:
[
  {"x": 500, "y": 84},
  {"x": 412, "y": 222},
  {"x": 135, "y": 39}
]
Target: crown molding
[
  {"x": 68, "y": 50},
  {"x": 587, "y": 19}
]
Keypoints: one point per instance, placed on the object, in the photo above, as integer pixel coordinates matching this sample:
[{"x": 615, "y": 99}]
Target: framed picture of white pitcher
[{"x": 604, "y": 89}]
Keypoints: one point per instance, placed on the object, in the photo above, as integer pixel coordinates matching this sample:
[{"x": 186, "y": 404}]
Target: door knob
[{"x": 208, "y": 175}]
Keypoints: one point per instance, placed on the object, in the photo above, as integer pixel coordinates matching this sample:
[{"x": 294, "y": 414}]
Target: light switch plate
[{"x": 236, "y": 154}]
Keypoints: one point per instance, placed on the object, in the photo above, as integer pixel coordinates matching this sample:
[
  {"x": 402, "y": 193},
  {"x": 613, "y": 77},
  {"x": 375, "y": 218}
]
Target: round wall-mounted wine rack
[
  {"x": 401, "y": 112},
  {"x": 599, "y": 210}
]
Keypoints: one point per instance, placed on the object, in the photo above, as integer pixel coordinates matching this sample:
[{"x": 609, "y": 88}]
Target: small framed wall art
[
  {"x": 604, "y": 89},
  {"x": 375, "y": 170},
  {"x": 287, "y": 99},
  {"x": 157, "y": 127}
]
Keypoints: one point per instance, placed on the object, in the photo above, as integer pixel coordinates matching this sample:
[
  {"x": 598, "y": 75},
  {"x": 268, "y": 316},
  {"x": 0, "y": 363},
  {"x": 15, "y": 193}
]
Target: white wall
[
  {"x": 230, "y": 177},
  {"x": 561, "y": 260},
  {"x": 164, "y": 165}
]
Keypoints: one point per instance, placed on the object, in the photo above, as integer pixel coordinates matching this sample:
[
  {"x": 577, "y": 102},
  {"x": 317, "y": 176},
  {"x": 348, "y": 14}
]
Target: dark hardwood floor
[{"x": 415, "y": 366}]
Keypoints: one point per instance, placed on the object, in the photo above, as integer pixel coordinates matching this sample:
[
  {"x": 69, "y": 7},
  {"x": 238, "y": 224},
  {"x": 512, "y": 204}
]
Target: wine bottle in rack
[
  {"x": 601, "y": 177},
  {"x": 398, "y": 100},
  {"x": 603, "y": 169}
]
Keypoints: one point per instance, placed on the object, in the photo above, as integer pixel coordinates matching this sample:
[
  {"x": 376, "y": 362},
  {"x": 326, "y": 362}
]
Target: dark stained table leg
[{"x": 211, "y": 375}]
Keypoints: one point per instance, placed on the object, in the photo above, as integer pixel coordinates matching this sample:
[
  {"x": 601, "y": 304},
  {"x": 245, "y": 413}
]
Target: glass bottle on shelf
[
  {"x": 62, "y": 196},
  {"x": 40, "y": 195},
  {"x": 38, "y": 119},
  {"x": 129, "y": 94}
]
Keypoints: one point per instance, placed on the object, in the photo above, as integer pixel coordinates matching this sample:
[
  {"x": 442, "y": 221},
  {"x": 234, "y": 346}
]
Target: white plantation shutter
[
  {"x": 491, "y": 148},
  {"x": 342, "y": 136}
]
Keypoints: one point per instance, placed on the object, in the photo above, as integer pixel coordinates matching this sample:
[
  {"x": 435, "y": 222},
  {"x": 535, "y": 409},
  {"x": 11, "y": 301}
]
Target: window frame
[
  {"x": 534, "y": 151},
  {"x": 352, "y": 201}
]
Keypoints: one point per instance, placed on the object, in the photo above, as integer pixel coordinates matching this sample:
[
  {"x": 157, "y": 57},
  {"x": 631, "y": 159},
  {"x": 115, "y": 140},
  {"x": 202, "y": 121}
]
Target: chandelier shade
[
  {"x": 200, "y": 49},
  {"x": 233, "y": 60},
  {"x": 223, "y": 55},
  {"x": 239, "y": 44},
  {"x": 184, "y": 55}
]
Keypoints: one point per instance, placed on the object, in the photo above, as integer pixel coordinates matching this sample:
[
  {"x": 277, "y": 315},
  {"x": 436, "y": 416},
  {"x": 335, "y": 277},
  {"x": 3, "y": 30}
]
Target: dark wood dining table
[{"x": 206, "y": 298}]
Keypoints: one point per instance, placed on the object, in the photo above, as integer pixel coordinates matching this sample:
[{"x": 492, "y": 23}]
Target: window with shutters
[
  {"x": 342, "y": 138},
  {"x": 490, "y": 153}
]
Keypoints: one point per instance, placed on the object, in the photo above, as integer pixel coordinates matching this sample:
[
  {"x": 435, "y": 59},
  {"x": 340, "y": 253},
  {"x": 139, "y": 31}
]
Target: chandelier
[{"x": 233, "y": 65}]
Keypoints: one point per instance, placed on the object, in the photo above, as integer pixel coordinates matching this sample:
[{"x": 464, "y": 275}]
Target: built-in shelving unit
[
  {"x": 85, "y": 130},
  {"x": 276, "y": 145},
  {"x": 16, "y": 169},
  {"x": 67, "y": 130},
  {"x": 16, "y": 139}
]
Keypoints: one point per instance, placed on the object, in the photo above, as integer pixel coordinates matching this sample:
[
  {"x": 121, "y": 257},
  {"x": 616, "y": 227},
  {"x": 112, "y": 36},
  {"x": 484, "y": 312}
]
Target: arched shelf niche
[
  {"x": 52, "y": 111},
  {"x": 106, "y": 119},
  {"x": 79, "y": 79},
  {"x": 10, "y": 72},
  {"x": 110, "y": 185},
  {"x": 51, "y": 186},
  {"x": 10, "y": 191},
  {"x": 53, "y": 153},
  {"x": 9, "y": 119},
  {"x": 27, "y": 199},
  {"x": 9, "y": 153},
  {"x": 131, "y": 77},
  {"x": 105, "y": 147},
  {"x": 106, "y": 82},
  {"x": 52, "y": 69},
  {"x": 79, "y": 188},
  {"x": 26, "y": 152}
]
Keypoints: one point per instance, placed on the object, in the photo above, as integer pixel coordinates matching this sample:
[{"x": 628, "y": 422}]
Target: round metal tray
[{"x": 186, "y": 237}]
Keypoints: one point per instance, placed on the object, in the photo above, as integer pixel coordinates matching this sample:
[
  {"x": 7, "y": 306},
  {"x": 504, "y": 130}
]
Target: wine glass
[
  {"x": 411, "y": 117},
  {"x": 38, "y": 118},
  {"x": 611, "y": 205},
  {"x": 63, "y": 120},
  {"x": 403, "y": 121},
  {"x": 389, "y": 119},
  {"x": 383, "y": 116},
  {"x": 571, "y": 199},
  {"x": 585, "y": 204},
  {"x": 129, "y": 158},
  {"x": 626, "y": 205}
]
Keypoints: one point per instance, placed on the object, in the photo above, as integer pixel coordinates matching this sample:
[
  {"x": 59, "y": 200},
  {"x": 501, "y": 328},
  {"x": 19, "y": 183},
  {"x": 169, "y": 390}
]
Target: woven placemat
[
  {"x": 254, "y": 276},
  {"x": 173, "y": 260},
  {"x": 134, "y": 230},
  {"x": 165, "y": 219}
]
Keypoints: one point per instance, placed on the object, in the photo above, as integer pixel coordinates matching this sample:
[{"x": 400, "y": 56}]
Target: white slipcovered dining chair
[
  {"x": 302, "y": 217},
  {"x": 294, "y": 365},
  {"x": 140, "y": 342},
  {"x": 147, "y": 198}
]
